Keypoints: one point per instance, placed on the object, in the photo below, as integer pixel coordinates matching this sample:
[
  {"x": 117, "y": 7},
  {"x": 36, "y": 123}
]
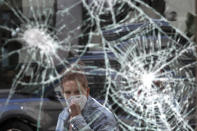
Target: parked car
[{"x": 23, "y": 109}]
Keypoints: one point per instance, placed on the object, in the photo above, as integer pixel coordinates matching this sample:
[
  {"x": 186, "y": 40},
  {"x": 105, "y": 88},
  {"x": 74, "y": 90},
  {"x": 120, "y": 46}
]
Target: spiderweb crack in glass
[
  {"x": 154, "y": 84},
  {"x": 38, "y": 38}
]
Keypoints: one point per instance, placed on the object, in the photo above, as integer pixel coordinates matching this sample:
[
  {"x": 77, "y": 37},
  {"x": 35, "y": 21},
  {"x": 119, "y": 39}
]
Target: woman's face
[{"x": 72, "y": 88}]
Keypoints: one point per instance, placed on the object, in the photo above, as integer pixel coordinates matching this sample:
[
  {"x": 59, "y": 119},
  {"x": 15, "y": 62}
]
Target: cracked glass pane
[{"x": 139, "y": 58}]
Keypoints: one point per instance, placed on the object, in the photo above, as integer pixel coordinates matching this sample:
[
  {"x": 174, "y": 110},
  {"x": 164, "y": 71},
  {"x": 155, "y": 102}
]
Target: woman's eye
[
  {"x": 77, "y": 92},
  {"x": 67, "y": 92}
]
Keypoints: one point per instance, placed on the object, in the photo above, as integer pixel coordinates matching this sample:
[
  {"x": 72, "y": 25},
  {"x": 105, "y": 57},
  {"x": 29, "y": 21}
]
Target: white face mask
[{"x": 78, "y": 99}]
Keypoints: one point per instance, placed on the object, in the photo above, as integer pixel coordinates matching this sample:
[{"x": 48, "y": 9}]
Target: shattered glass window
[{"x": 139, "y": 56}]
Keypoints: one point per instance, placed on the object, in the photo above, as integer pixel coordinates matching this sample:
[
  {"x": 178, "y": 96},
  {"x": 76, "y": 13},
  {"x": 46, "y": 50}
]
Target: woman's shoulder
[{"x": 101, "y": 109}]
